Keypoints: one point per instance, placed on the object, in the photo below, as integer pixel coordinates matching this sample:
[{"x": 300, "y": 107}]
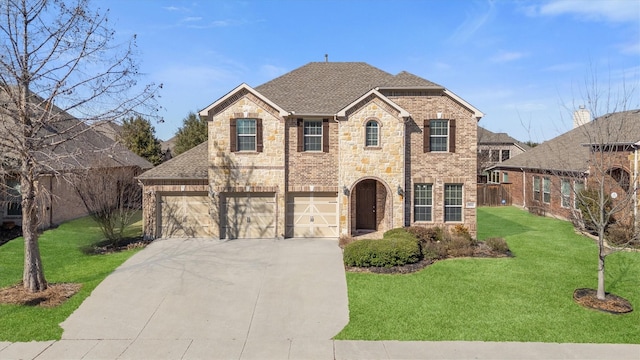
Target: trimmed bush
[
  {"x": 459, "y": 246},
  {"x": 426, "y": 234},
  {"x": 498, "y": 245},
  {"x": 620, "y": 235},
  {"x": 387, "y": 252},
  {"x": 434, "y": 250}
]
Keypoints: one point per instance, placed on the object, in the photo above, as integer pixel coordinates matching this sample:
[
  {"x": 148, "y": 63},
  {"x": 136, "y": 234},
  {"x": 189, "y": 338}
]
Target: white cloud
[
  {"x": 632, "y": 48},
  {"x": 564, "y": 67},
  {"x": 507, "y": 56},
  {"x": 592, "y": 10},
  {"x": 175, "y": 8},
  {"x": 474, "y": 20},
  {"x": 272, "y": 71},
  {"x": 192, "y": 19}
]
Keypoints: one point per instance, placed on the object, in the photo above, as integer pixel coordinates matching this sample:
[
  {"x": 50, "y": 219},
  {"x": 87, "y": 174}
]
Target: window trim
[
  {"x": 546, "y": 190},
  {"x": 366, "y": 133},
  {"x": 565, "y": 193},
  {"x": 537, "y": 194},
  {"x": 324, "y": 136},
  {"x": 426, "y": 206},
  {"x": 234, "y": 136},
  {"x": 451, "y": 136},
  {"x": 453, "y": 206}
]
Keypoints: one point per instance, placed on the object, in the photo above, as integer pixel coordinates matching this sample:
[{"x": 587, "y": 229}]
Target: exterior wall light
[{"x": 400, "y": 191}]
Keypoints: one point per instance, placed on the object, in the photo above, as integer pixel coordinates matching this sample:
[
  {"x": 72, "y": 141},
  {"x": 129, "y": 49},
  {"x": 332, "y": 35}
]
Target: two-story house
[
  {"x": 328, "y": 149},
  {"x": 494, "y": 148}
]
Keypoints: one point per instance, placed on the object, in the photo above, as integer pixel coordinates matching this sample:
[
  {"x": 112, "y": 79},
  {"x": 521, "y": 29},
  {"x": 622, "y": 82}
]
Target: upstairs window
[
  {"x": 313, "y": 135},
  {"x": 246, "y": 135},
  {"x": 505, "y": 155},
  {"x": 372, "y": 134},
  {"x": 439, "y": 136}
]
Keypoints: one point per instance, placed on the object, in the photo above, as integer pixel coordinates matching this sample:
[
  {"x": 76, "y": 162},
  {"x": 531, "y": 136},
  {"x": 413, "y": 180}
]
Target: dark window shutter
[
  {"x": 325, "y": 135},
  {"x": 300, "y": 135},
  {"x": 259, "y": 135},
  {"x": 232, "y": 136},
  {"x": 427, "y": 136},
  {"x": 452, "y": 136}
]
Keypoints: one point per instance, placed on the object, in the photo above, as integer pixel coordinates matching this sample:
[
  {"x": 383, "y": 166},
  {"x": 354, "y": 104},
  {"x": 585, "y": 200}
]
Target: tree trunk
[
  {"x": 601, "y": 255},
  {"x": 33, "y": 276}
]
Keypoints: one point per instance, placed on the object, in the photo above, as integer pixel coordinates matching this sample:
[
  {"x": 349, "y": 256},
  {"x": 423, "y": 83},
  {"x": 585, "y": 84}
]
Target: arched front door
[{"x": 366, "y": 205}]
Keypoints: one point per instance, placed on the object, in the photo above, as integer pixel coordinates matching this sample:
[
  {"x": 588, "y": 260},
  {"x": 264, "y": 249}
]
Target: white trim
[
  {"x": 477, "y": 113},
  {"x": 403, "y": 112},
  {"x": 205, "y": 111}
]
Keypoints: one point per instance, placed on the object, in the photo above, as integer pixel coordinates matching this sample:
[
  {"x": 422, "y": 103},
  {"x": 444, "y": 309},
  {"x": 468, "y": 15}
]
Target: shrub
[
  {"x": 620, "y": 234},
  {"x": 463, "y": 231},
  {"x": 434, "y": 250},
  {"x": 588, "y": 204},
  {"x": 425, "y": 234},
  {"x": 398, "y": 233},
  {"x": 459, "y": 245},
  {"x": 386, "y": 252},
  {"x": 498, "y": 245}
]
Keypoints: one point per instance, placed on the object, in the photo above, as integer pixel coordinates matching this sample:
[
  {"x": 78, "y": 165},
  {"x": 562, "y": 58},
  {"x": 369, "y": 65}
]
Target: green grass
[
  {"x": 63, "y": 261},
  {"x": 525, "y": 298}
]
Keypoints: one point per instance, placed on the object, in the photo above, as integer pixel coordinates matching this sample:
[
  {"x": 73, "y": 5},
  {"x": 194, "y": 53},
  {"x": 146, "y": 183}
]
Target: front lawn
[
  {"x": 64, "y": 262},
  {"x": 524, "y": 298}
]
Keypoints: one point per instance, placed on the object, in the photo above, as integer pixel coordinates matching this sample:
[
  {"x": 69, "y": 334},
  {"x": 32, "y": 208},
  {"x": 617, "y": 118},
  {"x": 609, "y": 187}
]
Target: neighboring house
[
  {"x": 108, "y": 129},
  {"x": 494, "y": 148},
  {"x": 168, "y": 147},
  {"x": 86, "y": 150},
  {"x": 546, "y": 178},
  {"x": 328, "y": 149}
]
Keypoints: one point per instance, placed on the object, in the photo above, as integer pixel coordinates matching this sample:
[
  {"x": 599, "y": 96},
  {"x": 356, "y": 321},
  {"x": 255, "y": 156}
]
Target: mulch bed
[
  {"x": 54, "y": 295},
  {"x": 612, "y": 303},
  {"x": 106, "y": 247}
]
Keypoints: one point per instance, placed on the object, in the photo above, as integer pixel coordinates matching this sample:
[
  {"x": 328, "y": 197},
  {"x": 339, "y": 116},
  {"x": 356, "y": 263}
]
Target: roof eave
[
  {"x": 205, "y": 111},
  {"x": 403, "y": 113},
  {"x": 434, "y": 87},
  {"x": 476, "y": 113}
]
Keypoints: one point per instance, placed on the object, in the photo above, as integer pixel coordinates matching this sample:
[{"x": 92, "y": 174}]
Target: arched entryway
[{"x": 369, "y": 203}]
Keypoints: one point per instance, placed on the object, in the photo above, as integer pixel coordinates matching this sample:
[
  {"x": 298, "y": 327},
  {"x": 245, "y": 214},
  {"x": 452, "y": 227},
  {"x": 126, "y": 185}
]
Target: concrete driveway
[{"x": 202, "y": 298}]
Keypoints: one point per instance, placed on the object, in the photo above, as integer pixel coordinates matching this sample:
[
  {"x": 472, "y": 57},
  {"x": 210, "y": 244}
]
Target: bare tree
[
  {"x": 611, "y": 177},
  {"x": 59, "y": 72},
  {"x": 111, "y": 196}
]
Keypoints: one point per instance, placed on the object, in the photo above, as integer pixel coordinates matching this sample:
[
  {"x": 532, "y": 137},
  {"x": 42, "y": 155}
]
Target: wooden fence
[{"x": 494, "y": 194}]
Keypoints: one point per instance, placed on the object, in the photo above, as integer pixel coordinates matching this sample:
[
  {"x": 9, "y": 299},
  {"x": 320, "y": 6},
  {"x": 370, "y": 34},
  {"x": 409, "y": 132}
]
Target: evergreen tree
[
  {"x": 139, "y": 136},
  {"x": 194, "y": 131}
]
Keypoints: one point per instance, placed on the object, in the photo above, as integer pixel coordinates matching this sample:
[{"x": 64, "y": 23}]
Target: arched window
[{"x": 372, "y": 137}]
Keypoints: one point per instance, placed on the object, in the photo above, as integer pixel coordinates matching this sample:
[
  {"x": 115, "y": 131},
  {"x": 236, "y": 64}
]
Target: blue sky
[{"x": 520, "y": 62}]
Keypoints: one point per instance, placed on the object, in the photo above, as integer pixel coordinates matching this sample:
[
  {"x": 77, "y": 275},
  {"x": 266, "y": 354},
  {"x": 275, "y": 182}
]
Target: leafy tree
[
  {"x": 194, "y": 131},
  {"x": 58, "y": 59},
  {"x": 139, "y": 136}
]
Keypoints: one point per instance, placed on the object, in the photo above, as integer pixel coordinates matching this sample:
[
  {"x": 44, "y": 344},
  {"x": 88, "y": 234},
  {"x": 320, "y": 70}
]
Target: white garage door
[
  {"x": 184, "y": 215},
  {"x": 249, "y": 216},
  {"x": 312, "y": 215}
]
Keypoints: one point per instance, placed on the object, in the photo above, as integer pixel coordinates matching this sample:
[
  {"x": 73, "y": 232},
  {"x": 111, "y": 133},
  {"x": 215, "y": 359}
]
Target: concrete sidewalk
[
  {"x": 247, "y": 299},
  {"x": 311, "y": 349}
]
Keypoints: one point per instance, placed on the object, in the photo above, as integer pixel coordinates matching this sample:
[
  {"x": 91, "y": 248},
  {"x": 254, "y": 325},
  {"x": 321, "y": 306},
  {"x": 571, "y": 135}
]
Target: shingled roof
[
  {"x": 486, "y": 137},
  {"x": 191, "y": 164},
  {"x": 324, "y": 88},
  {"x": 569, "y": 152},
  {"x": 64, "y": 142}
]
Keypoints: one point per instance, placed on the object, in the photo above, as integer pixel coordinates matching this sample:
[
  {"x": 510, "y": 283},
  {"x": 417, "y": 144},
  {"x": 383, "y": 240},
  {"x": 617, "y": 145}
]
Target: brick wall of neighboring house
[
  {"x": 306, "y": 169},
  {"x": 383, "y": 163},
  {"x": 154, "y": 188},
  {"x": 440, "y": 168},
  {"x": 247, "y": 171},
  {"x": 522, "y": 193}
]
